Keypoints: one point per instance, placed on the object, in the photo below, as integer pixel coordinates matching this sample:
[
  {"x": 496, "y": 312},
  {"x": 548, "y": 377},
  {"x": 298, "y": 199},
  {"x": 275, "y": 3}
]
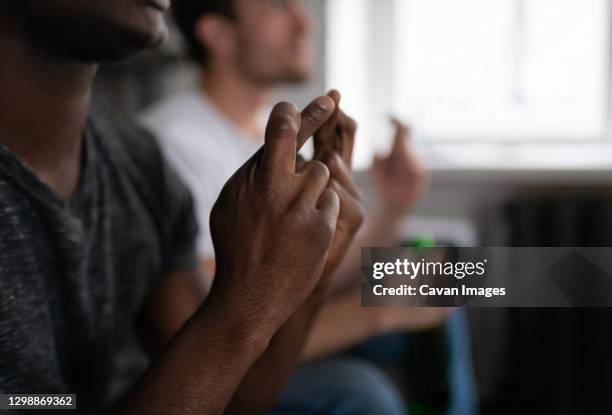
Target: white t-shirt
[{"x": 203, "y": 146}]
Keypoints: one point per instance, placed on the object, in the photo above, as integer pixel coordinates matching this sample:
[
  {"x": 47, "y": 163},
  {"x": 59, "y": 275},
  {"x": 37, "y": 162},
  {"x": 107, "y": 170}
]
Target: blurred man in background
[{"x": 245, "y": 49}]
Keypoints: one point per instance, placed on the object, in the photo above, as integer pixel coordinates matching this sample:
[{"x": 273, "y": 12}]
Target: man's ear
[{"x": 217, "y": 35}]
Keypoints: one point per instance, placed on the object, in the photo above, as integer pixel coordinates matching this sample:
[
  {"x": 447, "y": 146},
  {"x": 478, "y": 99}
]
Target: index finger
[
  {"x": 314, "y": 116},
  {"x": 338, "y": 133},
  {"x": 325, "y": 136},
  {"x": 347, "y": 127}
]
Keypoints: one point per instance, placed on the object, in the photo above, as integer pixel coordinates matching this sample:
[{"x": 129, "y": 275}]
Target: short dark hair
[{"x": 187, "y": 12}]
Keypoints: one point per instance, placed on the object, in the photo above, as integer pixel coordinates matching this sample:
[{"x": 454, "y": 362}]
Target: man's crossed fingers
[
  {"x": 288, "y": 130},
  {"x": 286, "y": 133}
]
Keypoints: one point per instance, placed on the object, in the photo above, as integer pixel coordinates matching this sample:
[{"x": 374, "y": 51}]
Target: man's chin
[
  {"x": 143, "y": 29},
  {"x": 294, "y": 76},
  {"x": 103, "y": 43},
  {"x": 126, "y": 43},
  {"x": 291, "y": 76}
]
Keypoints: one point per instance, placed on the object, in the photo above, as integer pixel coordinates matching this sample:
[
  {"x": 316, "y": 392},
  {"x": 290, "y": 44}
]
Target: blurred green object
[
  {"x": 427, "y": 364},
  {"x": 421, "y": 242},
  {"x": 428, "y": 389}
]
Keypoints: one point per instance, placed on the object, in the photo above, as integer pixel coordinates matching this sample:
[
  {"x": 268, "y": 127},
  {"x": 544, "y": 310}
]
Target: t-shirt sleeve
[
  {"x": 180, "y": 225},
  {"x": 167, "y": 198},
  {"x": 203, "y": 180}
]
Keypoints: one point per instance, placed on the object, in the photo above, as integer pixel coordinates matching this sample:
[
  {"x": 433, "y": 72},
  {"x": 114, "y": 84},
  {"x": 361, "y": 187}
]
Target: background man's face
[
  {"x": 96, "y": 30},
  {"x": 274, "y": 43}
]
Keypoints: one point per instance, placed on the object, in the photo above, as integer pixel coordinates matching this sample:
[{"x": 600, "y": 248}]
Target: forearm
[
  {"x": 380, "y": 229},
  {"x": 342, "y": 324},
  {"x": 259, "y": 391},
  {"x": 383, "y": 226},
  {"x": 201, "y": 367},
  {"x": 345, "y": 323}
]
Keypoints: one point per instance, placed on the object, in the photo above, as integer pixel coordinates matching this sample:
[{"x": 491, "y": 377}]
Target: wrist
[
  {"x": 387, "y": 214},
  {"x": 382, "y": 227},
  {"x": 245, "y": 325}
]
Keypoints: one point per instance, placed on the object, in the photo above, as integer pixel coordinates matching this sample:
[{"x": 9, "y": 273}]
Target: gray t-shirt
[{"x": 74, "y": 275}]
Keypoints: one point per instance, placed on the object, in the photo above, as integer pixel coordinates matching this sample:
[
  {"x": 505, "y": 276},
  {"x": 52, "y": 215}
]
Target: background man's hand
[
  {"x": 272, "y": 226},
  {"x": 399, "y": 177}
]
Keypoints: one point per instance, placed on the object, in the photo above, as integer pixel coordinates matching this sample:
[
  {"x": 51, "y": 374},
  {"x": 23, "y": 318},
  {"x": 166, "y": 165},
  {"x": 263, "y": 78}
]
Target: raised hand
[
  {"x": 399, "y": 177},
  {"x": 334, "y": 147},
  {"x": 273, "y": 225}
]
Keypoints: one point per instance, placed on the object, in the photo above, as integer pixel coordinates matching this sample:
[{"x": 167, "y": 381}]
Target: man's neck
[
  {"x": 237, "y": 98},
  {"x": 43, "y": 110}
]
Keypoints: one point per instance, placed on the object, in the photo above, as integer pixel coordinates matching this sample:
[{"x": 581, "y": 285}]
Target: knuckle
[
  {"x": 320, "y": 229},
  {"x": 313, "y": 115},
  {"x": 317, "y": 171},
  {"x": 282, "y": 125},
  {"x": 284, "y": 108},
  {"x": 283, "y": 120},
  {"x": 310, "y": 223},
  {"x": 318, "y": 111}
]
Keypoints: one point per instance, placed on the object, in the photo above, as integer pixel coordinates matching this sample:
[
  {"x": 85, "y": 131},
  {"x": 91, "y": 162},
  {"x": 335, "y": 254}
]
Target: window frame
[{"x": 384, "y": 11}]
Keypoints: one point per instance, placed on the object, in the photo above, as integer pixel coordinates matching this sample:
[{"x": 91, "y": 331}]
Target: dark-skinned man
[{"x": 95, "y": 225}]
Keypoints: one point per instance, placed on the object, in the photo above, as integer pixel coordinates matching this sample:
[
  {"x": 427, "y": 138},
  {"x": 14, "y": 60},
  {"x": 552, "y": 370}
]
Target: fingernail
[{"x": 323, "y": 104}]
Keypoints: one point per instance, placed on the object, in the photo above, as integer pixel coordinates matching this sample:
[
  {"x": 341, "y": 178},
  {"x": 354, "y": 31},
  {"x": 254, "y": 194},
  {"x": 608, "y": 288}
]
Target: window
[{"x": 484, "y": 72}]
